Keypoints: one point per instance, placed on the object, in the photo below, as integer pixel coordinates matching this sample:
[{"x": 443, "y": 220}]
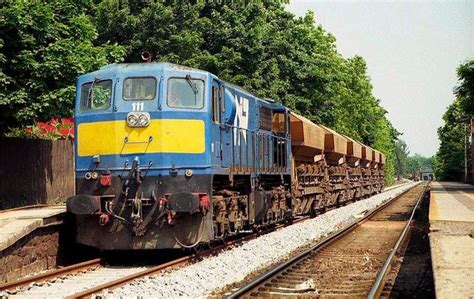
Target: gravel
[{"x": 213, "y": 273}]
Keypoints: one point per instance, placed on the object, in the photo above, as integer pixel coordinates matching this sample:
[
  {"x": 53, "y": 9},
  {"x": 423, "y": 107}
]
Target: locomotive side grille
[{"x": 265, "y": 118}]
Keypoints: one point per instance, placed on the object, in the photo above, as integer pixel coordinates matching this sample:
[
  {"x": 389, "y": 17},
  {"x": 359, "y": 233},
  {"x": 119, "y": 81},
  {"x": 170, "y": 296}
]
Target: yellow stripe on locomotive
[{"x": 161, "y": 136}]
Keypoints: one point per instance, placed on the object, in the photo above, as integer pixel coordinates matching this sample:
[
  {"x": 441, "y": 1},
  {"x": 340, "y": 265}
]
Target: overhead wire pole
[
  {"x": 464, "y": 120},
  {"x": 470, "y": 141},
  {"x": 465, "y": 152}
]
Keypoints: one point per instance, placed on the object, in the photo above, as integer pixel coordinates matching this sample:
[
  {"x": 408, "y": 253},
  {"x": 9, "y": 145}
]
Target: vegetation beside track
[{"x": 453, "y": 135}]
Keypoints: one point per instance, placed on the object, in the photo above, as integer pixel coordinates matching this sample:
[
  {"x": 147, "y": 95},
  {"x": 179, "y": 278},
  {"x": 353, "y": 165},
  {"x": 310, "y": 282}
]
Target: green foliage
[
  {"x": 44, "y": 46},
  {"x": 262, "y": 48},
  {"x": 417, "y": 161},
  {"x": 401, "y": 155},
  {"x": 406, "y": 165},
  {"x": 449, "y": 161},
  {"x": 450, "y": 158},
  {"x": 465, "y": 90}
]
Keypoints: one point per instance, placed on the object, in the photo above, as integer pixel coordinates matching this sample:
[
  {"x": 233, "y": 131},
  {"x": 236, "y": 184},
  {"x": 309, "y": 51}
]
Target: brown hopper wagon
[
  {"x": 307, "y": 138},
  {"x": 330, "y": 168},
  {"x": 382, "y": 159},
  {"x": 354, "y": 152}
]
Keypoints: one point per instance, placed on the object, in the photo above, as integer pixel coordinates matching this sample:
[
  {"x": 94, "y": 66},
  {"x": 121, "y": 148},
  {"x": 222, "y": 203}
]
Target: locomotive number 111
[{"x": 137, "y": 106}]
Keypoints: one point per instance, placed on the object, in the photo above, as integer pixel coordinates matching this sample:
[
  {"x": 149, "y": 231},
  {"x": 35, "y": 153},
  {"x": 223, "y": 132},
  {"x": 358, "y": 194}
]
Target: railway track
[
  {"x": 51, "y": 275},
  {"x": 92, "y": 277},
  {"x": 351, "y": 262},
  {"x": 88, "y": 272}
]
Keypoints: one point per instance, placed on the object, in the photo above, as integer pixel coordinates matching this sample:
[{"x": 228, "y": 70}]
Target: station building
[{"x": 426, "y": 174}]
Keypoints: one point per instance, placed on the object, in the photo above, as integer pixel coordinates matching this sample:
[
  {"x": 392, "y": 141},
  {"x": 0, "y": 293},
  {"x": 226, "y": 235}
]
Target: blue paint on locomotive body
[{"x": 236, "y": 144}]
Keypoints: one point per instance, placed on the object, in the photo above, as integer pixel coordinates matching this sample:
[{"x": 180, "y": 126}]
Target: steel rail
[
  {"x": 91, "y": 264},
  {"x": 379, "y": 284},
  {"x": 172, "y": 264},
  {"x": 169, "y": 265},
  {"x": 24, "y": 282},
  {"x": 331, "y": 238}
]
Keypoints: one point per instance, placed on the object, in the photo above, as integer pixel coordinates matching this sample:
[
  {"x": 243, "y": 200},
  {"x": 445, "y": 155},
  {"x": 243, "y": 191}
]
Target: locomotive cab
[{"x": 142, "y": 149}]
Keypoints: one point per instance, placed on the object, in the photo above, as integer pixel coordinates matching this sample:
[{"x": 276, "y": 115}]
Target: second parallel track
[{"x": 351, "y": 262}]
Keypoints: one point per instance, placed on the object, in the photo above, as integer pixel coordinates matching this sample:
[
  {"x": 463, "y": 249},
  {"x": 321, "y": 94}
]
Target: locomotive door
[
  {"x": 221, "y": 132},
  {"x": 225, "y": 129}
]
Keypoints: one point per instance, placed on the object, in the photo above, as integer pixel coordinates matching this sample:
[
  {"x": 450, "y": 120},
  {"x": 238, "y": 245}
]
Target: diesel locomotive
[{"x": 170, "y": 157}]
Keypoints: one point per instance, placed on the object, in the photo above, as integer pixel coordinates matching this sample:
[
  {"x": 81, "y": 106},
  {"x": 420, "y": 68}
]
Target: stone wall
[{"x": 38, "y": 251}]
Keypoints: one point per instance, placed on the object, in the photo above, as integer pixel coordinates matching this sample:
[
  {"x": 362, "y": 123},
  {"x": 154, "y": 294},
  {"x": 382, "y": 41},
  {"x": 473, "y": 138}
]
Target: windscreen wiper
[
  {"x": 90, "y": 93},
  {"x": 191, "y": 83}
]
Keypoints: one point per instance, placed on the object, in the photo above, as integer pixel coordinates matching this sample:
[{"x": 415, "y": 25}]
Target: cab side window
[{"x": 185, "y": 93}]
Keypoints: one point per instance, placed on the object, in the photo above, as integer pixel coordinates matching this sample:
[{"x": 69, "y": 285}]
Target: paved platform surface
[
  {"x": 452, "y": 248},
  {"x": 17, "y": 223}
]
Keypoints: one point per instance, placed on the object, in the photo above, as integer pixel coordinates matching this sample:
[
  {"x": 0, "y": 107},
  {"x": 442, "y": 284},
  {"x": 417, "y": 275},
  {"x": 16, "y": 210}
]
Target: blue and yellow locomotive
[
  {"x": 164, "y": 151},
  {"x": 169, "y": 157}
]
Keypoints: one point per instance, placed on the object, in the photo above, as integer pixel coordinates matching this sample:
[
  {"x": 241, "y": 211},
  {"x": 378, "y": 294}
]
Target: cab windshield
[
  {"x": 96, "y": 95},
  {"x": 185, "y": 93},
  {"x": 143, "y": 88}
]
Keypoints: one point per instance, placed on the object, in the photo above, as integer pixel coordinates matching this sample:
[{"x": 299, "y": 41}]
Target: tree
[
  {"x": 449, "y": 161},
  {"x": 401, "y": 155},
  {"x": 416, "y": 162},
  {"x": 44, "y": 46},
  {"x": 258, "y": 45},
  {"x": 465, "y": 89},
  {"x": 450, "y": 158},
  {"x": 263, "y": 48}
]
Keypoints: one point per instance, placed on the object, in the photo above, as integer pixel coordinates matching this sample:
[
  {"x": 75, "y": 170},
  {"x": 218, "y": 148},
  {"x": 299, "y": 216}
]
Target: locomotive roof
[
  {"x": 167, "y": 66},
  {"x": 157, "y": 66}
]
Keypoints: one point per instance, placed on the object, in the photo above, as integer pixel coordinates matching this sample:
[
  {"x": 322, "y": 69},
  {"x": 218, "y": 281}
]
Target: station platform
[
  {"x": 18, "y": 223},
  {"x": 451, "y": 218}
]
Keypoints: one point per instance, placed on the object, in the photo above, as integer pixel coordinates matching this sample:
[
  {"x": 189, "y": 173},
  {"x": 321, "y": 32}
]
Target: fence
[{"x": 34, "y": 171}]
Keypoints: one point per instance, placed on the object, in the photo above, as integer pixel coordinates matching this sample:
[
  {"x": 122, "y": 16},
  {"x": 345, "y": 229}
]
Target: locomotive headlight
[
  {"x": 143, "y": 120},
  {"x": 138, "y": 119},
  {"x": 132, "y": 120}
]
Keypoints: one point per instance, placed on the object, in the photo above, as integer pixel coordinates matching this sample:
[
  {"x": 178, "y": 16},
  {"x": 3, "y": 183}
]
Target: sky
[{"x": 412, "y": 50}]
